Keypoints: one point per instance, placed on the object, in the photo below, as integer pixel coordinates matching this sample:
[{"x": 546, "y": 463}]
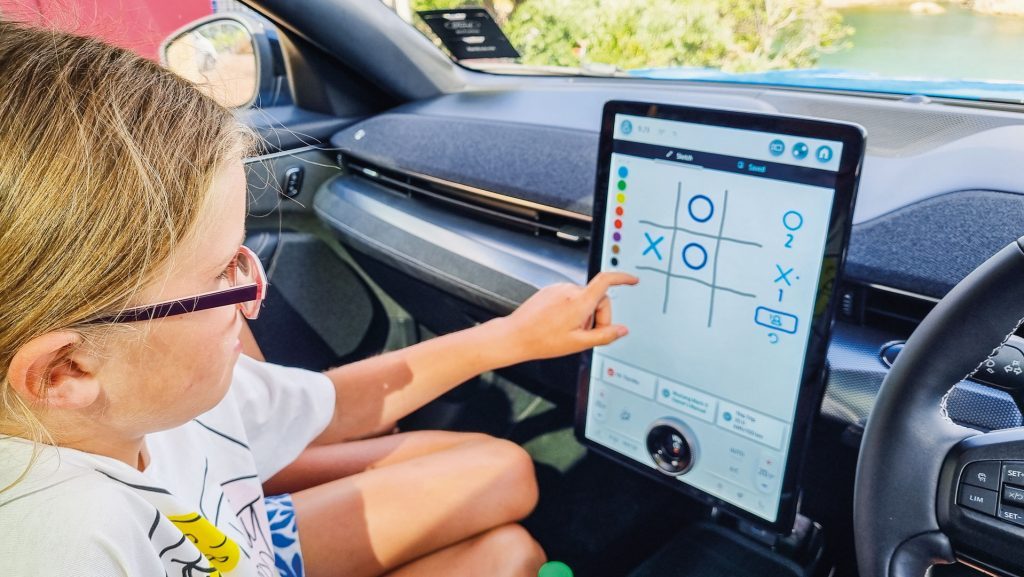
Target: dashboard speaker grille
[{"x": 896, "y": 128}]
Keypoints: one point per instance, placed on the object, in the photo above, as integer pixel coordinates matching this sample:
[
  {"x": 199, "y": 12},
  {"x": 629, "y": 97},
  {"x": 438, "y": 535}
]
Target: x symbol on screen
[
  {"x": 783, "y": 275},
  {"x": 653, "y": 245}
]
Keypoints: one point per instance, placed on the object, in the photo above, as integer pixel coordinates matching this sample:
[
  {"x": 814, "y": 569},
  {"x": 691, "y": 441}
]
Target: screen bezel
[{"x": 812, "y": 383}]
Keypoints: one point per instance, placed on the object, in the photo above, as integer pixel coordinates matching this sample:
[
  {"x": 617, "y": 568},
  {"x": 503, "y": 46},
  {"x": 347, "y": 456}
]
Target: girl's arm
[{"x": 558, "y": 320}]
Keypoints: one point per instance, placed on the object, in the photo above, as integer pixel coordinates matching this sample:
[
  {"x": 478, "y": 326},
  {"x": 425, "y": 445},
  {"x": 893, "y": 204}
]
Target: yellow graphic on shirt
[{"x": 222, "y": 552}]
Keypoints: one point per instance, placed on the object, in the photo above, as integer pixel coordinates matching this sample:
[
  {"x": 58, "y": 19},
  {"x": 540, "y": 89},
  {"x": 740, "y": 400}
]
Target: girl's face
[{"x": 179, "y": 367}]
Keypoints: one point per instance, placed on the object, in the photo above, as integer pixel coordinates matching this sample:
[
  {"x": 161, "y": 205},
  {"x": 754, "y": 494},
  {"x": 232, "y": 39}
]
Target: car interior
[{"x": 400, "y": 195}]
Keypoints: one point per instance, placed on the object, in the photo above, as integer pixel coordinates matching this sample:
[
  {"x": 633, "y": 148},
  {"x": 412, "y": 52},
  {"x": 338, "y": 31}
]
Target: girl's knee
[
  {"x": 515, "y": 552},
  {"x": 414, "y": 444},
  {"x": 517, "y": 473}
]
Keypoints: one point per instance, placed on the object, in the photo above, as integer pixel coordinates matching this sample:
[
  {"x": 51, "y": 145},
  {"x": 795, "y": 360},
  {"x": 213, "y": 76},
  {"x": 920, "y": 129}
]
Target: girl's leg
[
  {"x": 507, "y": 551},
  {"x": 325, "y": 463},
  {"x": 401, "y": 509}
]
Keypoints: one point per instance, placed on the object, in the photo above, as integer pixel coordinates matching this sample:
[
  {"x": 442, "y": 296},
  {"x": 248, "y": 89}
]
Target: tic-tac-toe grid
[{"x": 694, "y": 245}]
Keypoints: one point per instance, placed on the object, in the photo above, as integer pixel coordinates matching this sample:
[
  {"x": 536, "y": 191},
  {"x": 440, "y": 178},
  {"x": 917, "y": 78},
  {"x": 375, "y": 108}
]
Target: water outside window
[{"x": 962, "y": 49}]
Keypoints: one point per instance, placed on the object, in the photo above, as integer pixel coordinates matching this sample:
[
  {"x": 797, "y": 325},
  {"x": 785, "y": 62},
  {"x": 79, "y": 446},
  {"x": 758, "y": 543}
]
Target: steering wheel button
[
  {"x": 1013, "y": 495},
  {"x": 984, "y": 474},
  {"x": 1013, "y": 472},
  {"x": 1014, "y": 515},
  {"x": 981, "y": 500}
]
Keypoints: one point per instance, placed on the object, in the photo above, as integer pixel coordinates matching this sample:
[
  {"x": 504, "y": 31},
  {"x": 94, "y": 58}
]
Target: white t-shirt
[{"x": 82, "y": 514}]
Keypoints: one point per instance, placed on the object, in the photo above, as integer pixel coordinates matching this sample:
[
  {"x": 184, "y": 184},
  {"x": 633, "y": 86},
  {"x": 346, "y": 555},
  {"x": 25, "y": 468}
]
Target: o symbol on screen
[
  {"x": 701, "y": 208},
  {"x": 793, "y": 220},
  {"x": 695, "y": 256}
]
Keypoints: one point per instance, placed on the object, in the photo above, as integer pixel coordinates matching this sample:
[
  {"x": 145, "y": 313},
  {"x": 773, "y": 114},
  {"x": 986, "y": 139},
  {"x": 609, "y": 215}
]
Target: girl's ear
[{"x": 52, "y": 370}]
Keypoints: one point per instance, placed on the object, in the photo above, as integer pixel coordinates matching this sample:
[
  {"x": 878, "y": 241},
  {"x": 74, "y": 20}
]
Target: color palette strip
[{"x": 620, "y": 211}]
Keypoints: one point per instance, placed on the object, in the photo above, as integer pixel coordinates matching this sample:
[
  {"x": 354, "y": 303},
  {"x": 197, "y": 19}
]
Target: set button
[
  {"x": 1014, "y": 515},
  {"x": 1013, "y": 472}
]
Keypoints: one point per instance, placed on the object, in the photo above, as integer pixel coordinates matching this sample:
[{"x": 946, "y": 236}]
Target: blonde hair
[{"x": 106, "y": 164}]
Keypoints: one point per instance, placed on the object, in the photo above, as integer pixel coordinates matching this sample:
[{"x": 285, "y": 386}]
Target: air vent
[
  {"x": 507, "y": 211},
  {"x": 883, "y": 307}
]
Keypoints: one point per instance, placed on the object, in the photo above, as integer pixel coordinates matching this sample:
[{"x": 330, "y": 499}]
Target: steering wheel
[{"x": 929, "y": 491}]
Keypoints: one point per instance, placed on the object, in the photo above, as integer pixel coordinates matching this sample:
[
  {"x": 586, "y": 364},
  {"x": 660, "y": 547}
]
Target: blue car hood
[{"x": 1007, "y": 91}]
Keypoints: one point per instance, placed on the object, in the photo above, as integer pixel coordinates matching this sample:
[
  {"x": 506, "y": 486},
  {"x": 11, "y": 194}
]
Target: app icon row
[{"x": 800, "y": 150}]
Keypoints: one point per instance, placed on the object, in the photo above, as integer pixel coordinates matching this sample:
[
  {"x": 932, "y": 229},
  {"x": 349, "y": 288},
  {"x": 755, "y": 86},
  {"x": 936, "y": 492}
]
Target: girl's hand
[{"x": 565, "y": 318}]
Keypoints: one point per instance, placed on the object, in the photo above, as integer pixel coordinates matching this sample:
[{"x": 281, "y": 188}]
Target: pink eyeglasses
[{"x": 248, "y": 287}]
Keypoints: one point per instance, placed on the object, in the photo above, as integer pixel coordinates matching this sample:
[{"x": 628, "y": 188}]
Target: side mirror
[{"x": 228, "y": 56}]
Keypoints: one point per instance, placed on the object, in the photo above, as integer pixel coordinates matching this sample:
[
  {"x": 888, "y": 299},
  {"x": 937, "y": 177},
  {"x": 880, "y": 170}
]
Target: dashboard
[{"x": 476, "y": 199}]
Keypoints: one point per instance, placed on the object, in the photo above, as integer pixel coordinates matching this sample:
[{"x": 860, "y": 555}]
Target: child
[{"x": 135, "y": 437}]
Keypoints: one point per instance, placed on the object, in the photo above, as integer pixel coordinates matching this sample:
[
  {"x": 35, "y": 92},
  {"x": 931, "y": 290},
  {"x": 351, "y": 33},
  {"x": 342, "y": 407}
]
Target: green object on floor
[{"x": 554, "y": 569}]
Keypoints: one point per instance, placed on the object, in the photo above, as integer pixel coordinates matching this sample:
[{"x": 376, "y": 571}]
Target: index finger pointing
[{"x": 600, "y": 284}]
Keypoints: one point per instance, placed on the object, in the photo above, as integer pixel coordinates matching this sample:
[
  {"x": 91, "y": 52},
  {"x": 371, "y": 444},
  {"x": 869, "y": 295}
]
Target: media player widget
[
  {"x": 691, "y": 402},
  {"x": 728, "y": 450}
]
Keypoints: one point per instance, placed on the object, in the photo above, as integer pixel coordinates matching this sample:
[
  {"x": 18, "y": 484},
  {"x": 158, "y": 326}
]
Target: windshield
[{"x": 970, "y": 49}]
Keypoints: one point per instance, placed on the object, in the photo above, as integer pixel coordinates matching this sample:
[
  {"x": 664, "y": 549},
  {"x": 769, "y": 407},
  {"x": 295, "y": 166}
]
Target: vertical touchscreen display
[{"x": 727, "y": 230}]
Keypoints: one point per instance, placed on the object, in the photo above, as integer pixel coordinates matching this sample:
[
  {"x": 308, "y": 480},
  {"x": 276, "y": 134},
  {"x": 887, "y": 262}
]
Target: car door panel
[{"x": 319, "y": 312}]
